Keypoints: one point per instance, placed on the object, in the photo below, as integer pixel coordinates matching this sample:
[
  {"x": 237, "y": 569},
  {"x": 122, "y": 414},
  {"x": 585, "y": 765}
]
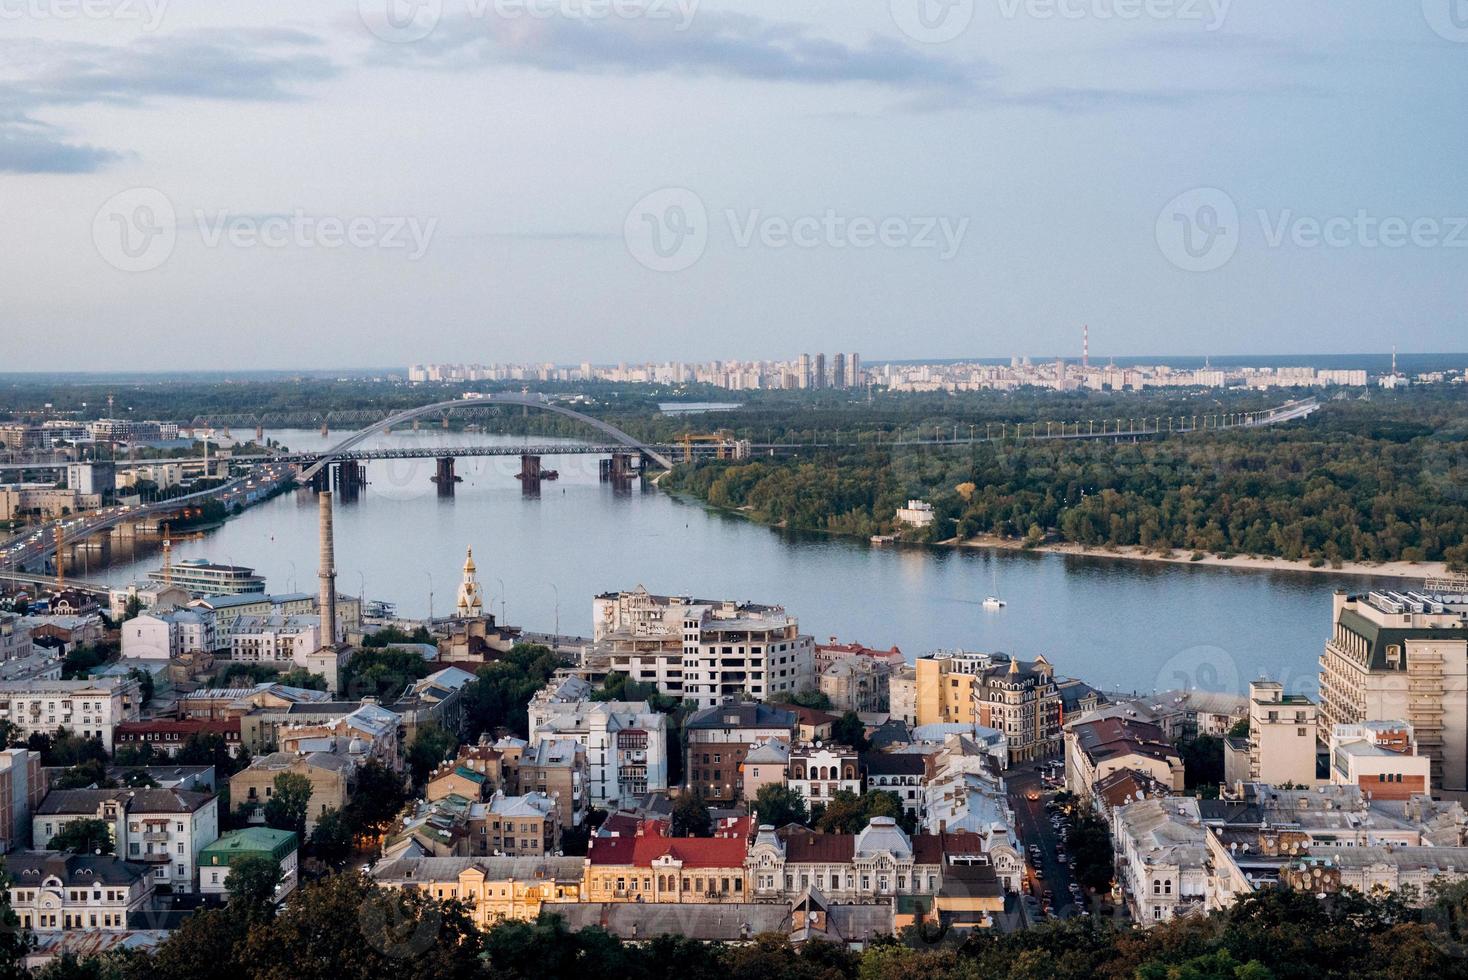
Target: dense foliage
[{"x": 1374, "y": 481}]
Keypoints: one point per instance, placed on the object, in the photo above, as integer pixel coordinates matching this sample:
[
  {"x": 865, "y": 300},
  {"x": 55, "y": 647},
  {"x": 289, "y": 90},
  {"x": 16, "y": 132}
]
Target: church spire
[{"x": 471, "y": 600}]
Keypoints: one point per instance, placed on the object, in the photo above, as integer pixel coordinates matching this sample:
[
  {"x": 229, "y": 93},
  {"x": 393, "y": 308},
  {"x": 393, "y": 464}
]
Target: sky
[{"x": 202, "y": 185}]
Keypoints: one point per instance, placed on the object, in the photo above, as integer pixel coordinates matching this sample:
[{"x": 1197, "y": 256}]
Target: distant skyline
[{"x": 279, "y": 187}]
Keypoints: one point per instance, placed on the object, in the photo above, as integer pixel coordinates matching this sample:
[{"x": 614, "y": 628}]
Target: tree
[
  {"x": 134, "y": 754},
  {"x": 377, "y": 798},
  {"x": 15, "y": 942},
  {"x": 383, "y": 673},
  {"x": 92, "y": 773},
  {"x": 432, "y": 746},
  {"x": 85, "y": 836},
  {"x": 810, "y": 698},
  {"x": 1089, "y": 842},
  {"x": 777, "y": 805},
  {"x": 1240, "y": 729},
  {"x": 138, "y": 779},
  {"x": 9, "y": 733},
  {"x": 210, "y": 749},
  {"x": 847, "y": 813},
  {"x": 251, "y": 886},
  {"x": 65, "y": 748},
  {"x": 145, "y": 682},
  {"x": 289, "y": 803},
  {"x": 133, "y": 609},
  {"x": 691, "y": 816},
  {"x": 848, "y": 730},
  {"x": 302, "y": 678},
  {"x": 331, "y": 841}
]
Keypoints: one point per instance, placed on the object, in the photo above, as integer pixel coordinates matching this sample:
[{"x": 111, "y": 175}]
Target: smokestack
[{"x": 327, "y": 573}]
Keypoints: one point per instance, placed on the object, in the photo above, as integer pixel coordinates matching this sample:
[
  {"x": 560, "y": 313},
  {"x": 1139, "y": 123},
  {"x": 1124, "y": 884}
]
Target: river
[{"x": 1119, "y": 625}]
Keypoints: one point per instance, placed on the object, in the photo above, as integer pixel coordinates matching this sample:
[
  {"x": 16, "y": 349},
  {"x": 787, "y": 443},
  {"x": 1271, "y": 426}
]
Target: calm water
[{"x": 1119, "y": 625}]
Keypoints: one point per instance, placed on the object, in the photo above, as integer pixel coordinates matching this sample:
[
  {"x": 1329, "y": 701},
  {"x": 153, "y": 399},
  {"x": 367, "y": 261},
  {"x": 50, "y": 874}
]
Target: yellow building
[
  {"x": 945, "y": 687},
  {"x": 493, "y": 889}
]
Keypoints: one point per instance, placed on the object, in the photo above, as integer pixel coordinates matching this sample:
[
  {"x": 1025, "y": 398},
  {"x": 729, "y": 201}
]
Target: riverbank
[{"x": 1389, "y": 569}]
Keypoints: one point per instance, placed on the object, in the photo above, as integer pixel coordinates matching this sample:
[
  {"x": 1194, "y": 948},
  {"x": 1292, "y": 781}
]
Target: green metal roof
[{"x": 250, "y": 842}]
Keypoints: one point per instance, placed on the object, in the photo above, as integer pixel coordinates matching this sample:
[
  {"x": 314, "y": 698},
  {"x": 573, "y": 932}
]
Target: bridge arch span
[{"x": 527, "y": 401}]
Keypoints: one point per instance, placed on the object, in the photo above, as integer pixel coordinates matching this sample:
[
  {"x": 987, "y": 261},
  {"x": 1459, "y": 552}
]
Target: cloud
[
  {"x": 260, "y": 65},
  {"x": 712, "y": 44}
]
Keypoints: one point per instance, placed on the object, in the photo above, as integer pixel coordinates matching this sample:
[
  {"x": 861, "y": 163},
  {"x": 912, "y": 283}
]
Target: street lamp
[
  {"x": 430, "y": 595},
  {"x": 504, "y": 616}
]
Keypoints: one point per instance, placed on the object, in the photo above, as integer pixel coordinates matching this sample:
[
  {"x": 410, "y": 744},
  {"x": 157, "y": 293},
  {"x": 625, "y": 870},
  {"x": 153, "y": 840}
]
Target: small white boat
[{"x": 993, "y": 602}]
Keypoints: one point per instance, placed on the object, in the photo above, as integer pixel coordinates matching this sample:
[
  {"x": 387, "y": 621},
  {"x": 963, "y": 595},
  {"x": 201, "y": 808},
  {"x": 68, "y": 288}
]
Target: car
[
  {"x": 1033, "y": 794},
  {"x": 1039, "y": 872}
]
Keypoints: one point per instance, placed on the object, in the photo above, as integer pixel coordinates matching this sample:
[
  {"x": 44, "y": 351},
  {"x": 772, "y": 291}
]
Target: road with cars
[{"x": 1042, "y": 834}]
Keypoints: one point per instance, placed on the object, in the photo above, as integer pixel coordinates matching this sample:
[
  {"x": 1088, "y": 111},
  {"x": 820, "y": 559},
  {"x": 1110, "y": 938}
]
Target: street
[{"x": 1032, "y": 823}]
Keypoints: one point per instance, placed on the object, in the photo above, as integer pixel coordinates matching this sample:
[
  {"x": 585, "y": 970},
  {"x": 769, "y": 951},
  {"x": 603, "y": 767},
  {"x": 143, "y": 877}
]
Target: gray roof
[
  {"x": 30, "y": 868},
  {"x": 77, "y": 801},
  {"x": 744, "y": 715},
  {"x": 427, "y": 869}
]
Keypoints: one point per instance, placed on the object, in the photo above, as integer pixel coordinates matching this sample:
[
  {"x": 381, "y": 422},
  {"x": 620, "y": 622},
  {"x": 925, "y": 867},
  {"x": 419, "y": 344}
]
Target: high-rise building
[
  {"x": 838, "y": 370},
  {"x": 805, "y": 380},
  {"x": 818, "y": 377},
  {"x": 1402, "y": 655},
  {"x": 853, "y": 367}
]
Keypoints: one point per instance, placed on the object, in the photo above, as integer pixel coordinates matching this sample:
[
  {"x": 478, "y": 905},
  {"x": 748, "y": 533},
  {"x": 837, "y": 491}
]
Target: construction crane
[{"x": 724, "y": 439}]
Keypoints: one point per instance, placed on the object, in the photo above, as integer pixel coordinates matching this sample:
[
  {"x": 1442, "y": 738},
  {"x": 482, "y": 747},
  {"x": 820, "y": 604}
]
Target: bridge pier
[
  {"x": 350, "y": 479},
  {"x": 445, "y": 477},
  {"x": 321, "y": 480},
  {"x": 621, "y": 467},
  {"x": 529, "y": 467}
]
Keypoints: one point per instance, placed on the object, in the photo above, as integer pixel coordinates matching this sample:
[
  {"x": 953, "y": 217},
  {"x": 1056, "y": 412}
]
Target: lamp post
[
  {"x": 504, "y": 616},
  {"x": 430, "y": 595}
]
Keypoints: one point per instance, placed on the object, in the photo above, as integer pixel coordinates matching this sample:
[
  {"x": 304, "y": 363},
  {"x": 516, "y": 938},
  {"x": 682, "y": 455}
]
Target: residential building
[
  {"x": 164, "y": 635},
  {"x": 227, "y": 608},
  {"x": 649, "y": 867},
  {"x": 1402, "y": 655},
  {"x": 367, "y": 733},
  {"x": 22, "y": 788},
  {"x": 902, "y": 773},
  {"x": 1381, "y": 758},
  {"x": 90, "y": 708},
  {"x": 492, "y": 889},
  {"x": 1163, "y": 858},
  {"x": 217, "y": 859},
  {"x": 44, "y": 500},
  {"x": 834, "y": 651},
  {"x": 718, "y": 740},
  {"x": 329, "y": 773},
  {"x": 15, "y": 637},
  {"x": 818, "y": 772},
  {"x": 857, "y": 684},
  {"x": 558, "y": 768},
  {"x": 53, "y": 893},
  {"x": 164, "y": 829},
  {"x": 274, "y": 639},
  {"x": 764, "y": 764},
  {"x": 528, "y": 825},
  {"x": 1373, "y": 870},
  {"x": 705, "y": 651},
  {"x": 1282, "y": 740},
  {"x": 437, "y": 699},
  {"x": 1096, "y": 749},
  {"x": 92, "y": 477},
  {"x": 150, "y": 595},
  {"x": 626, "y": 742},
  {"x": 236, "y": 702},
  {"x": 917, "y": 513},
  {"x": 168, "y": 735},
  {"x": 902, "y": 696}
]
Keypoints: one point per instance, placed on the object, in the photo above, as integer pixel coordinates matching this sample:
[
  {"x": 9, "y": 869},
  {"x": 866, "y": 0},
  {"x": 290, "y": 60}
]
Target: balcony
[
  {"x": 159, "y": 857},
  {"x": 156, "y": 836}
]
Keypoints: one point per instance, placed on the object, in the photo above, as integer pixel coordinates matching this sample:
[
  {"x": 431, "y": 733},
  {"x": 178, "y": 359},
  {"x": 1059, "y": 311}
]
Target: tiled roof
[
  {"x": 890, "y": 764},
  {"x": 812, "y": 848},
  {"x": 74, "y": 801},
  {"x": 693, "y": 852}
]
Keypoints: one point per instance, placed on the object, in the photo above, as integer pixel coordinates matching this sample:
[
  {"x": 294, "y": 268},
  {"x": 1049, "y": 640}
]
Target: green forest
[{"x": 1374, "y": 481}]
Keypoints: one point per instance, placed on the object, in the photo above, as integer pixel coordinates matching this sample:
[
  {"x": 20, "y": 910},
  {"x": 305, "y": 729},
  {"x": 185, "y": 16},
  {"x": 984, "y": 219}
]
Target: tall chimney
[{"x": 327, "y": 573}]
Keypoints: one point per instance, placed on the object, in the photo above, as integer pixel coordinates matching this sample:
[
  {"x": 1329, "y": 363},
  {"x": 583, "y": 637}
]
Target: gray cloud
[
  {"x": 249, "y": 65},
  {"x": 713, "y": 44}
]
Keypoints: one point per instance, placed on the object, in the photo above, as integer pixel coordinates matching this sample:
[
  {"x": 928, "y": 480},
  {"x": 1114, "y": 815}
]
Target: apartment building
[
  {"x": 53, "y": 893},
  {"x": 164, "y": 635},
  {"x": 626, "y": 741},
  {"x": 902, "y": 773},
  {"x": 1097, "y": 749},
  {"x": 701, "y": 650},
  {"x": 558, "y": 768},
  {"x": 227, "y": 608},
  {"x": 21, "y": 790},
  {"x": 1402, "y": 655},
  {"x": 857, "y": 684},
  {"x": 167, "y": 735},
  {"x": 15, "y": 637},
  {"x": 329, "y": 773},
  {"x": 516, "y": 826},
  {"x": 996, "y": 691},
  {"x": 492, "y": 889},
  {"x": 216, "y": 860},
  {"x": 720, "y": 738},
  {"x": 902, "y": 695},
  {"x": 92, "y": 708},
  {"x": 163, "y": 829},
  {"x": 274, "y": 639},
  {"x": 150, "y": 595},
  {"x": 1282, "y": 740},
  {"x": 818, "y": 772},
  {"x": 649, "y": 867},
  {"x": 764, "y": 764}
]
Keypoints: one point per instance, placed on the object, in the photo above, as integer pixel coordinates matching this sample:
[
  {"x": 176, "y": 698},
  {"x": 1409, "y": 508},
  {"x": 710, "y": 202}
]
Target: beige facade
[
  {"x": 1395, "y": 655},
  {"x": 1282, "y": 741},
  {"x": 329, "y": 774},
  {"x": 493, "y": 889}
]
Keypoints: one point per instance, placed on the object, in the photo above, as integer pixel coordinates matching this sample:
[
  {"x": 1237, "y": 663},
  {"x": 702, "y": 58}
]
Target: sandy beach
[{"x": 1391, "y": 569}]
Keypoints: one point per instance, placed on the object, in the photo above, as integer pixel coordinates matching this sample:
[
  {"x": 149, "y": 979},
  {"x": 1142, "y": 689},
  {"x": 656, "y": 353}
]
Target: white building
[
  {"x": 216, "y": 859},
  {"x": 53, "y": 893},
  {"x": 917, "y": 513},
  {"x": 819, "y": 772},
  {"x": 15, "y": 637},
  {"x": 274, "y": 639},
  {"x": 164, "y": 829},
  {"x": 92, "y": 709},
  {"x": 228, "y": 608},
  {"x": 1164, "y": 858},
  {"x": 626, "y": 742},
  {"x": 150, "y": 595},
  {"x": 705, "y": 651},
  {"x": 1379, "y": 757},
  {"x": 165, "y": 635}
]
